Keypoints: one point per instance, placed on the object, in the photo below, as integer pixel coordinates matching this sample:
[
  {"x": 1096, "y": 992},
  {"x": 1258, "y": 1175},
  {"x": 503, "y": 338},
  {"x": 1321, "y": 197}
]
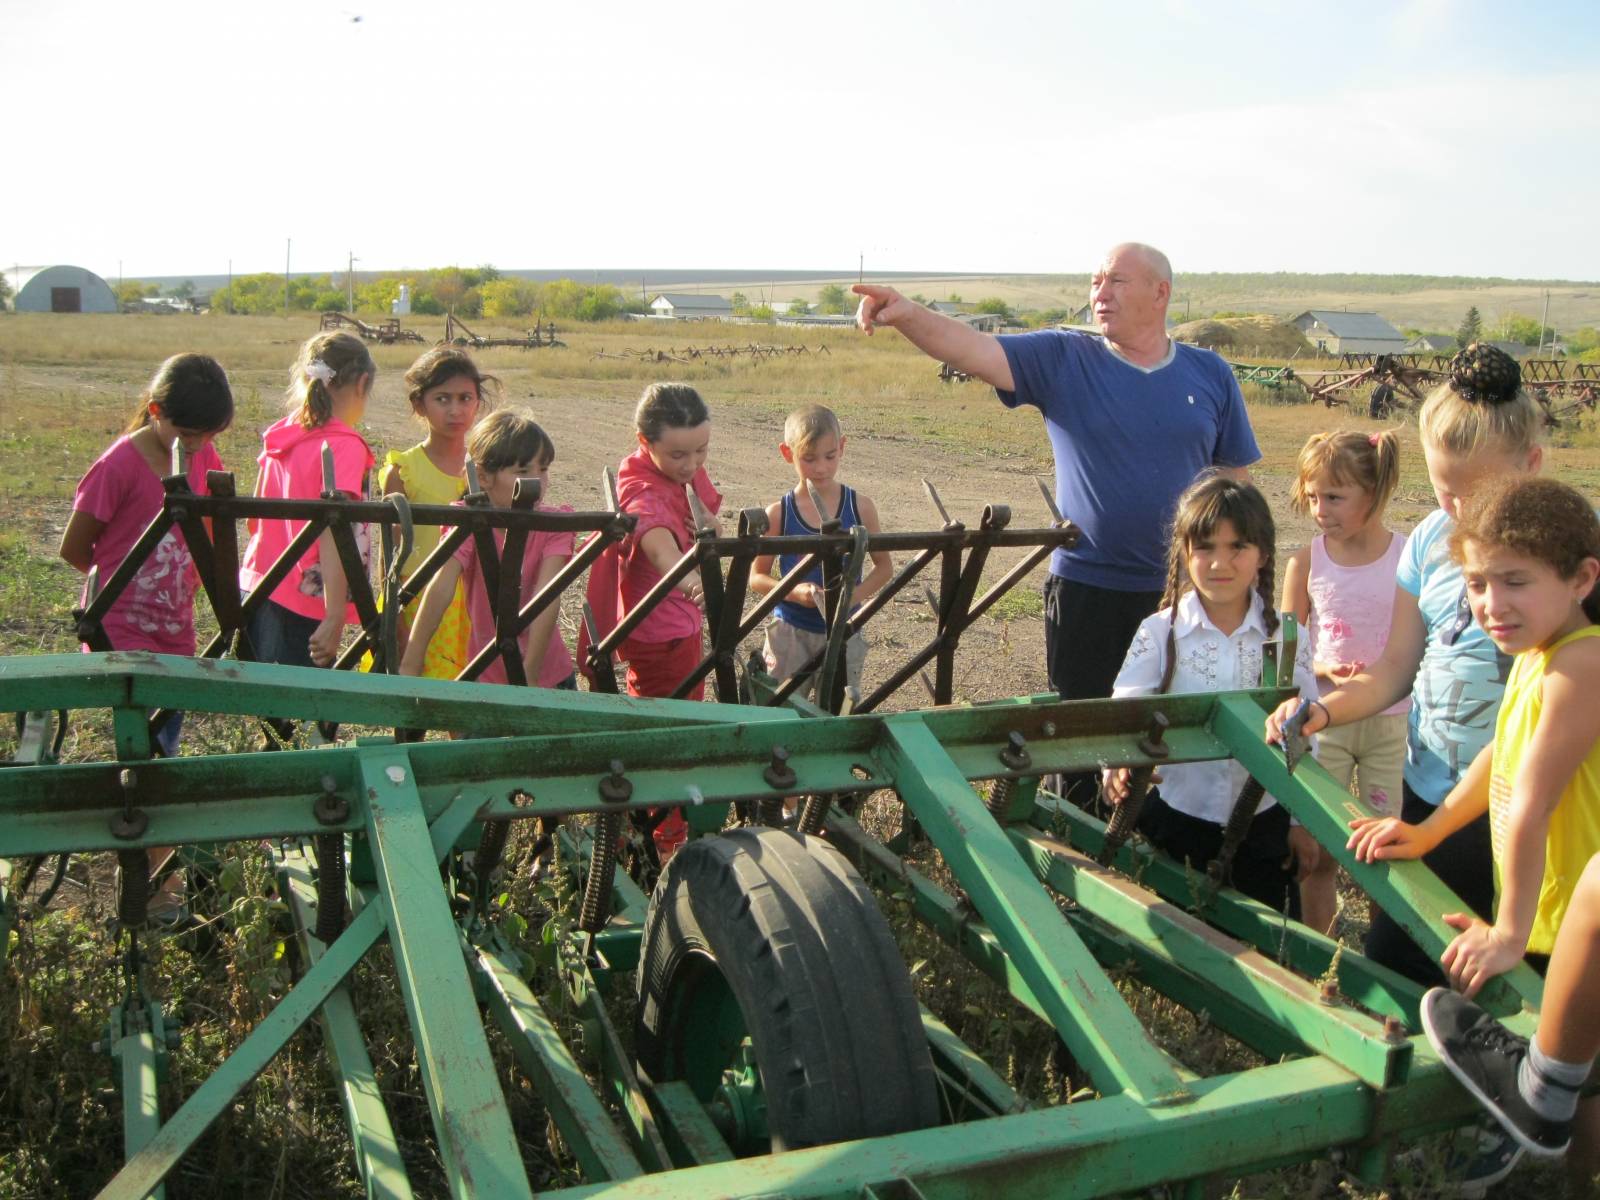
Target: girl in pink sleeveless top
[{"x": 1341, "y": 589}]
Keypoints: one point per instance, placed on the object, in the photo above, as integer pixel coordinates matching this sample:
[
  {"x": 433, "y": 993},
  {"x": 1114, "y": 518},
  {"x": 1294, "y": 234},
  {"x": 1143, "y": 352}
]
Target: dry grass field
[{"x": 66, "y": 387}]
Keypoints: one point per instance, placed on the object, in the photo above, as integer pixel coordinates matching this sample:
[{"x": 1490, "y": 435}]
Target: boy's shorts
[{"x": 788, "y": 648}]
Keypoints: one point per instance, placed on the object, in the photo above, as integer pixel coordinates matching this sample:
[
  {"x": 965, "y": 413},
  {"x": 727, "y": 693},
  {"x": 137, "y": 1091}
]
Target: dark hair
[
  {"x": 1482, "y": 406},
  {"x": 1547, "y": 521},
  {"x": 1205, "y": 504},
  {"x": 507, "y": 438},
  {"x": 311, "y": 398},
  {"x": 440, "y": 365},
  {"x": 191, "y": 391},
  {"x": 669, "y": 406}
]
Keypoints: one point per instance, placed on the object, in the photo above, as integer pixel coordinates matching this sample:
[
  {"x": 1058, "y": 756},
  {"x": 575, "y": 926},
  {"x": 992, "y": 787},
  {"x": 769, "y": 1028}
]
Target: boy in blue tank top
[{"x": 813, "y": 444}]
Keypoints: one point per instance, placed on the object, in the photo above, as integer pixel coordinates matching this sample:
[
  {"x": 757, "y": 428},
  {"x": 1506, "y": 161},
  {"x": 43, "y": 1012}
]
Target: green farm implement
[{"x": 739, "y": 1022}]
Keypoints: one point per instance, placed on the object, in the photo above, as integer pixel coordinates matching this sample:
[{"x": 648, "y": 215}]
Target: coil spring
[
  {"x": 1233, "y": 833},
  {"x": 813, "y": 814},
  {"x": 491, "y": 846},
  {"x": 1125, "y": 816},
  {"x": 596, "y": 907},
  {"x": 769, "y": 812},
  {"x": 330, "y": 886},
  {"x": 998, "y": 801},
  {"x": 133, "y": 888}
]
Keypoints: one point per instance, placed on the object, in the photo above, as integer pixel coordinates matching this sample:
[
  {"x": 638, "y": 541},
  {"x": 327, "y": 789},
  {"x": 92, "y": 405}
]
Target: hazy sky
[{"x": 1435, "y": 136}]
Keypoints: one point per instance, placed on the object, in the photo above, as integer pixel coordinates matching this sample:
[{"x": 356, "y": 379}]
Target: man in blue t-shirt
[{"x": 1133, "y": 417}]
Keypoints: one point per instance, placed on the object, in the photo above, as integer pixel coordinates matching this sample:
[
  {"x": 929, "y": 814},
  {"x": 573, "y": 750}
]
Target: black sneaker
[{"x": 1486, "y": 1057}]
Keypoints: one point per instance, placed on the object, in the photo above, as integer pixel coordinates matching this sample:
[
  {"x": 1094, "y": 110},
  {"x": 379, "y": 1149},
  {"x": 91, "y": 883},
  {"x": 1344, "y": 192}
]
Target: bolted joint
[
  {"x": 616, "y": 788},
  {"x": 1154, "y": 742},
  {"x": 1015, "y": 755},
  {"x": 331, "y": 808},
  {"x": 779, "y": 774}
]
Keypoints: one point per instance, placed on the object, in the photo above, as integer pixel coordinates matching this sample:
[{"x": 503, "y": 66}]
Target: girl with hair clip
[
  {"x": 1341, "y": 589},
  {"x": 1530, "y": 552},
  {"x": 303, "y": 621},
  {"x": 1216, "y": 614},
  {"x": 446, "y": 390},
  {"x": 187, "y": 403}
]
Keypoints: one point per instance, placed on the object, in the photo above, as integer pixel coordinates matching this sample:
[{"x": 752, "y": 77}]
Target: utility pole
[
  {"x": 1544, "y": 318},
  {"x": 861, "y": 267},
  {"x": 288, "y": 244},
  {"x": 230, "y": 287},
  {"x": 350, "y": 284}
]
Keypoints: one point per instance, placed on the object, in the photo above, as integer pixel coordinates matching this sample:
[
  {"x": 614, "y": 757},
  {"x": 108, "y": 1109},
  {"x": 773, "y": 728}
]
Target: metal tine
[
  {"x": 590, "y": 625},
  {"x": 1049, "y": 499},
  {"x": 180, "y": 458},
  {"x": 327, "y": 470},
  {"x": 608, "y": 485},
  {"x": 527, "y": 490},
  {"x": 816, "y": 502},
  {"x": 928, "y": 683},
  {"x": 933, "y": 601},
  {"x": 473, "y": 487},
  {"x": 704, "y": 522},
  {"x": 91, "y": 588},
  {"x": 933, "y": 494}
]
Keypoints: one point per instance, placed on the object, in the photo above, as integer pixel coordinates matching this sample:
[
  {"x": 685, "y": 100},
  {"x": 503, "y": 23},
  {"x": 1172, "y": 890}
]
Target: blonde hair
[
  {"x": 1483, "y": 406},
  {"x": 1369, "y": 461},
  {"x": 805, "y": 427},
  {"x": 508, "y": 438},
  {"x": 310, "y": 397}
]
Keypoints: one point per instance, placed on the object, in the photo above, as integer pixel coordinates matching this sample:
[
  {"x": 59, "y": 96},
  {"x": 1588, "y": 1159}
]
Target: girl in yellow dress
[{"x": 446, "y": 391}]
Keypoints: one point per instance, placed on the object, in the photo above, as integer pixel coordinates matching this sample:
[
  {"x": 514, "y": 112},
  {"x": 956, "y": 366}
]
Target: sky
[{"x": 1431, "y": 136}]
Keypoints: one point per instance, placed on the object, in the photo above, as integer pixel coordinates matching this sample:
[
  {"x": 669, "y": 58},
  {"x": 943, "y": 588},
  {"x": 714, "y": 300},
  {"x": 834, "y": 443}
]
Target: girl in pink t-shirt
[
  {"x": 303, "y": 622},
  {"x": 1341, "y": 588},
  {"x": 505, "y": 446},
  {"x": 188, "y": 402}
]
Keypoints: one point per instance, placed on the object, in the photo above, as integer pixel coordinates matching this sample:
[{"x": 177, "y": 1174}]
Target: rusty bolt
[
  {"x": 616, "y": 788},
  {"x": 1154, "y": 742},
  {"x": 1048, "y": 729},
  {"x": 1329, "y": 993},
  {"x": 779, "y": 774},
  {"x": 330, "y": 807},
  {"x": 1393, "y": 1030},
  {"x": 1015, "y": 755}
]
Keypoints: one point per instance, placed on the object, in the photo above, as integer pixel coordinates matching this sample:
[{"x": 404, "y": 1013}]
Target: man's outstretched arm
[{"x": 936, "y": 335}]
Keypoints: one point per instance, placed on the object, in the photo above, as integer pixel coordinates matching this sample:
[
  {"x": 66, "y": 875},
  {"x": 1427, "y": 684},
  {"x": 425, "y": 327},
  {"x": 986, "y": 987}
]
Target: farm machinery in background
[
  {"x": 1562, "y": 389},
  {"x": 541, "y": 336},
  {"x": 778, "y": 1046},
  {"x": 386, "y": 332}
]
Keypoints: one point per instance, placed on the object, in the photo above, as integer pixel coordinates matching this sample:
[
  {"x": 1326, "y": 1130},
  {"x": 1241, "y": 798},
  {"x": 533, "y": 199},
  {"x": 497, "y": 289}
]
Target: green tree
[
  {"x": 602, "y": 302},
  {"x": 502, "y": 298},
  {"x": 833, "y": 299},
  {"x": 329, "y": 302},
  {"x": 799, "y": 307},
  {"x": 762, "y": 312},
  {"x": 183, "y": 291},
  {"x": 426, "y": 305},
  {"x": 1582, "y": 341},
  {"x": 378, "y": 295},
  {"x": 1471, "y": 329},
  {"x": 1523, "y": 329},
  {"x": 740, "y": 302},
  {"x": 131, "y": 291},
  {"x": 5, "y": 290},
  {"x": 994, "y": 305}
]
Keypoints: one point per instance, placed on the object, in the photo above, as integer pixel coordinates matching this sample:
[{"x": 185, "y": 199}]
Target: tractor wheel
[{"x": 771, "y": 936}]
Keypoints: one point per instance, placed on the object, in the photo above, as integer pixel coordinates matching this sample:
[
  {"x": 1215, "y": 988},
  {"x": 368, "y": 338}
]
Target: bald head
[
  {"x": 1129, "y": 294},
  {"x": 1152, "y": 259}
]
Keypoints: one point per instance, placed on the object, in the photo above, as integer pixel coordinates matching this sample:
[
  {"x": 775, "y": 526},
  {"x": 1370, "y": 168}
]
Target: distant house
[
  {"x": 688, "y": 306},
  {"x": 785, "y": 308},
  {"x": 1431, "y": 343},
  {"x": 1516, "y": 349},
  {"x": 59, "y": 289},
  {"x": 950, "y": 308},
  {"x": 1335, "y": 331}
]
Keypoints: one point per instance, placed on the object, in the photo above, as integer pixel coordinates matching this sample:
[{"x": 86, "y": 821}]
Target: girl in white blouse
[{"x": 1216, "y": 615}]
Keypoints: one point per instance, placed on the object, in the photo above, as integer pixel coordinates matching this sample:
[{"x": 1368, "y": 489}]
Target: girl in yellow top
[
  {"x": 446, "y": 390},
  {"x": 1529, "y": 550}
]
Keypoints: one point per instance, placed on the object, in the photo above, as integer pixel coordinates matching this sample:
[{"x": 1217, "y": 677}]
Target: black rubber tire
[{"x": 781, "y": 925}]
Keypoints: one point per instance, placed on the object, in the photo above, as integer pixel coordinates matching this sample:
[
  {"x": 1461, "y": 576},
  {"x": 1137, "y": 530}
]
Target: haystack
[{"x": 1255, "y": 336}]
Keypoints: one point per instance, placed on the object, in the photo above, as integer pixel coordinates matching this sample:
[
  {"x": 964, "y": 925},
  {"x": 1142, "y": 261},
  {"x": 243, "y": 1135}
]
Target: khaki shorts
[
  {"x": 1373, "y": 750},
  {"x": 788, "y": 648}
]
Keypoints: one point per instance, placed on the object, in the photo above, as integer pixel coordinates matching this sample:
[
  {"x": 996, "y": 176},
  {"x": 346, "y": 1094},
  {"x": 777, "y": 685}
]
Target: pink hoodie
[{"x": 291, "y": 469}]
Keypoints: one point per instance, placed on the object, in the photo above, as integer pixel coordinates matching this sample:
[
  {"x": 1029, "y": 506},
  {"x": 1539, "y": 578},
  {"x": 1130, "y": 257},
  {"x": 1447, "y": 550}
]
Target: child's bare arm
[
  {"x": 1569, "y": 725},
  {"x": 78, "y": 539},
  {"x": 335, "y": 596},
  {"x": 661, "y": 549},
  {"x": 882, "y": 561},
  {"x": 436, "y": 599},
  {"x": 1376, "y": 839},
  {"x": 1296, "y": 585},
  {"x": 390, "y": 480},
  {"x": 545, "y": 623}
]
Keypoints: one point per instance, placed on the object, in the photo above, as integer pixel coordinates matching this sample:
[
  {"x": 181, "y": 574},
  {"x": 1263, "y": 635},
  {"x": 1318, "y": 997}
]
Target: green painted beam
[
  {"x": 586, "y": 1127},
  {"x": 980, "y": 1084},
  {"x": 1106, "y": 1147},
  {"x": 691, "y": 1138},
  {"x": 1410, "y": 893},
  {"x": 377, "y": 1151},
  {"x": 145, "y": 1170},
  {"x": 1311, "y": 954},
  {"x": 470, "y": 1119},
  {"x": 140, "y": 679},
  {"x": 1273, "y": 993},
  {"x": 136, "y": 1052},
  {"x": 1083, "y": 1005}
]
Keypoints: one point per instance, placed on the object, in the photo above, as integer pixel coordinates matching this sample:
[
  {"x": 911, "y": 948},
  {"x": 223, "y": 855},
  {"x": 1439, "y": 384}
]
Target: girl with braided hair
[{"x": 1216, "y": 614}]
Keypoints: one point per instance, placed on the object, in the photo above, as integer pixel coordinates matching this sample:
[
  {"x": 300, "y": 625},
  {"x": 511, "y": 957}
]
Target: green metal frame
[{"x": 1038, "y": 915}]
